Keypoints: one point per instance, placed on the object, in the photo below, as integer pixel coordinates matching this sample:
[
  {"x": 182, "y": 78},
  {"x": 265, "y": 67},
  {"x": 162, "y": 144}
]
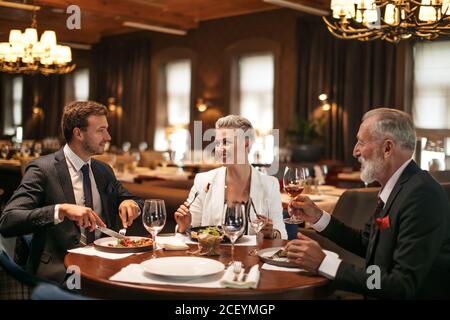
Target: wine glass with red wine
[{"x": 294, "y": 182}]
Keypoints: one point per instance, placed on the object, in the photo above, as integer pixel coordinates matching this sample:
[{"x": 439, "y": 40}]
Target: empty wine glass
[
  {"x": 37, "y": 149},
  {"x": 258, "y": 221},
  {"x": 154, "y": 218},
  {"x": 126, "y": 146},
  {"x": 5, "y": 151},
  {"x": 294, "y": 182},
  {"x": 25, "y": 150},
  {"x": 233, "y": 223},
  {"x": 143, "y": 146}
]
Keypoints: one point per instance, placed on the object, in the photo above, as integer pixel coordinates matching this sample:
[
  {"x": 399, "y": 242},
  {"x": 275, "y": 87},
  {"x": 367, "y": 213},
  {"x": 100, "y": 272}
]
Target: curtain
[
  {"x": 45, "y": 92},
  {"x": 357, "y": 76},
  {"x": 49, "y": 94},
  {"x": 121, "y": 71}
]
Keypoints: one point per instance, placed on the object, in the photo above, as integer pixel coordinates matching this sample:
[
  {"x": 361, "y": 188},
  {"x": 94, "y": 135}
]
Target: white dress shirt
[
  {"x": 207, "y": 209},
  {"x": 74, "y": 164},
  {"x": 330, "y": 264}
]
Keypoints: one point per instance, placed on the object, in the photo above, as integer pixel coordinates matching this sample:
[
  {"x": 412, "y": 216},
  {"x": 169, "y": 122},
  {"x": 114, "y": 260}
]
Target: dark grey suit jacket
[
  {"x": 413, "y": 253},
  {"x": 31, "y": 210}
]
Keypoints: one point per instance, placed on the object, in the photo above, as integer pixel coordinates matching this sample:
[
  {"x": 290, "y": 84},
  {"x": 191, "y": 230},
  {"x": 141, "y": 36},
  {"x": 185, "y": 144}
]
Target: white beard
[{"x": 370, "y": 169}]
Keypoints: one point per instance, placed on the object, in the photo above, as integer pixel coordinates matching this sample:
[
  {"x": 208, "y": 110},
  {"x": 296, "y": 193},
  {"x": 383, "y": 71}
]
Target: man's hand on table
[{"x": 305, "y": 252}]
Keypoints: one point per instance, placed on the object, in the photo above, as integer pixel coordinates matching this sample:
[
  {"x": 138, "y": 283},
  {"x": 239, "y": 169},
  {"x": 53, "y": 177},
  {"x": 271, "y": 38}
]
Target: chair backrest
[
  {"x": 151, "y": 158},
  {"x": 108, "y": 158},
  {"x": 46, "y": 291},
  {"x": 446, "y": 186},
  {"x": 355, "y": 206},
  {"x": 8, "y": 265},
  {"x": 441, "y": 176}
]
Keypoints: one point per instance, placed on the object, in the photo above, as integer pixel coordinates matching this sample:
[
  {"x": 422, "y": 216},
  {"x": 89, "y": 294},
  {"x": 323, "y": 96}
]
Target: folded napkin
[
  {"x": 171, "y": 243},
  {"x": 272, "y": 267},
  {"x": 135, "y": 273},
  {"x": 251, "y": 281},
  {"x": 91, "y": 251}
]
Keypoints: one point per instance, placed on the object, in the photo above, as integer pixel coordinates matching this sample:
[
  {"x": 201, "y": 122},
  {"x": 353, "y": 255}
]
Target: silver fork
[
  {"x": 237, "y": 269},
  {"x": 123, "y": 231},
  {"x": 195, "y": 197}
]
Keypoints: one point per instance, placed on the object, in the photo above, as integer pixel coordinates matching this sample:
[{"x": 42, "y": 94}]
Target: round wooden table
[{"x": 96, "y": 271}]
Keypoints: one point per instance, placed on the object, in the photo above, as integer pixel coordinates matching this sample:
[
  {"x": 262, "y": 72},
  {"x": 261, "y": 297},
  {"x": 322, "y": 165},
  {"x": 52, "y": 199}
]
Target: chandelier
[
  {"x": 390, "y": 20},
  {"x": 25, "y": 54}
]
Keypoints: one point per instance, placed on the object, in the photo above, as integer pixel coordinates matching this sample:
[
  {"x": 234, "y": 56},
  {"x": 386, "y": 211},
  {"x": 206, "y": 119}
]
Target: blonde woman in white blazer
[{"x": 235, "y": 181}]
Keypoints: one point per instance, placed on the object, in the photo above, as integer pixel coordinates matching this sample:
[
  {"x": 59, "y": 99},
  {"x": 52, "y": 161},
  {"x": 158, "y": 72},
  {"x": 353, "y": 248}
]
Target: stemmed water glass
[
  {"x": 234, "y": 222},
  {"x": 37, "y": 149},
  {"x": 25, "y": 150},
  {"x": 258, "y": 221},
  {"x": 154, "y": 218},
  {"x": 294, "y": 180}
]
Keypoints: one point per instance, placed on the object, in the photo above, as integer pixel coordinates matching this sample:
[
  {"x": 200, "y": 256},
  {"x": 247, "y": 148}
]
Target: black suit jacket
[
  {"x": 413, "y": 253},
  {"x": 31, "y": 210}
]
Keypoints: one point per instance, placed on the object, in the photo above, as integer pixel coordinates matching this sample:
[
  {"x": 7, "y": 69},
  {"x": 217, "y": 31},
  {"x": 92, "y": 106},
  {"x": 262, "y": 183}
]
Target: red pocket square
[{"x": 383, "y": 223}]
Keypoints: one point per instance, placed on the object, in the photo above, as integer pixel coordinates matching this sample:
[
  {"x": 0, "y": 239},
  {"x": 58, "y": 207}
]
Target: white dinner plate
[{"x": 182, "y": 267}]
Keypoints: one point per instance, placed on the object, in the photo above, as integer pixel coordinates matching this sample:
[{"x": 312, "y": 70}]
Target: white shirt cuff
[
  {"x": 323, "y": 222},
  {"x": 56, "y": 216},
  {"x": 329, "y": 266}
]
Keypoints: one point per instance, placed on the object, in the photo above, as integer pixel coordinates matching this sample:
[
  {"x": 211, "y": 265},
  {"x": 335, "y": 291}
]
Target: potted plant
[{"x": 304, "y": 138}]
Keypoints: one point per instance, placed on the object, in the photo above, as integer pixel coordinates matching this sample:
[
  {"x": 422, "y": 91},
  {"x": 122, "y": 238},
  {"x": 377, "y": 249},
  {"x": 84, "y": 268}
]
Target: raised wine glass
[
  {"x": 233, "y": 223},
  {"x": 154, "y": 218},
  {"x": 294, "y": 180}
]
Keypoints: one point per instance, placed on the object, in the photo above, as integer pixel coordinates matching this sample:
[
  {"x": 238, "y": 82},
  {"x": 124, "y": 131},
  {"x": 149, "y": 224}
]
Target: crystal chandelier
[
  {"x": 25, "y": 54},
  {"x": 390, "y": 20}
]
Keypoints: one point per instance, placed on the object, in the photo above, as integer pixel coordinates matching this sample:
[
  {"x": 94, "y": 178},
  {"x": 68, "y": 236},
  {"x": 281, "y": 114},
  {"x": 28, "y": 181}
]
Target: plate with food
[
  {"x": 207, "y": 231},
  {"x": 278, "y": 256},
  {"x": 127, "y": 245}
]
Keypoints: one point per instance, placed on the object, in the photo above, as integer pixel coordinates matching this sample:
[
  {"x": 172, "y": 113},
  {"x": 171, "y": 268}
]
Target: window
[
  {"x": 432, "y": 99},
  {"x": 432, "y": 85},
  {"x": 13, "y": 105},
  {"x": 172, "y": 130},
  {"x": 255, "y": 101},
  {"x": 81, "y": 84}
]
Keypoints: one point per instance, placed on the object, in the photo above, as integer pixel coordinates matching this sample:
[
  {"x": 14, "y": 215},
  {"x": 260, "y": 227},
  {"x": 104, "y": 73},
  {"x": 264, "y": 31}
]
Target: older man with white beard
[{"x": 407, "y": 238}]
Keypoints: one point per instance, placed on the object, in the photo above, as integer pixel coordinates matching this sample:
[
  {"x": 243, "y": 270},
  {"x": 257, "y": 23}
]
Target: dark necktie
[
  {"x": 88, "y": 202},
  {"x": 374, "y": 227}
]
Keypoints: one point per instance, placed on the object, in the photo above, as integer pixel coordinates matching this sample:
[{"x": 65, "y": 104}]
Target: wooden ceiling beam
[{"x": 124, "y": 10}]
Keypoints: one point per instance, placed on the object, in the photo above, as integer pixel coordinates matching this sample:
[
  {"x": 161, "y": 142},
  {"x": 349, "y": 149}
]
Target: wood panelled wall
[{"x": 210, "y": 44}]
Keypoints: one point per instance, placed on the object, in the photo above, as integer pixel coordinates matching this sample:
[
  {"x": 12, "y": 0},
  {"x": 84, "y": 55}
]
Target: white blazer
[{"x": 207, "y": 209}]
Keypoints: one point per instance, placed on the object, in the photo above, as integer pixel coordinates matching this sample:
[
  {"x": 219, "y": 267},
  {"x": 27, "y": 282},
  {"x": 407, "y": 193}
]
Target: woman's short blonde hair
[{"x": 233, "y": 121}]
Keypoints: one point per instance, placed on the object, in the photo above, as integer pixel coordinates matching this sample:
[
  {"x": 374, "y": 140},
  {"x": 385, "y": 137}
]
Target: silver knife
[{"x": 110, "y": 232}]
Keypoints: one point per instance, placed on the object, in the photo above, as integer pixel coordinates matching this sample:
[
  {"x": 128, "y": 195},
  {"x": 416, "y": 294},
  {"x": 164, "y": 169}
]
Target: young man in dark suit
[
  {"x": 408, "y": 237},
  {"x": 64, "y": 195}
]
